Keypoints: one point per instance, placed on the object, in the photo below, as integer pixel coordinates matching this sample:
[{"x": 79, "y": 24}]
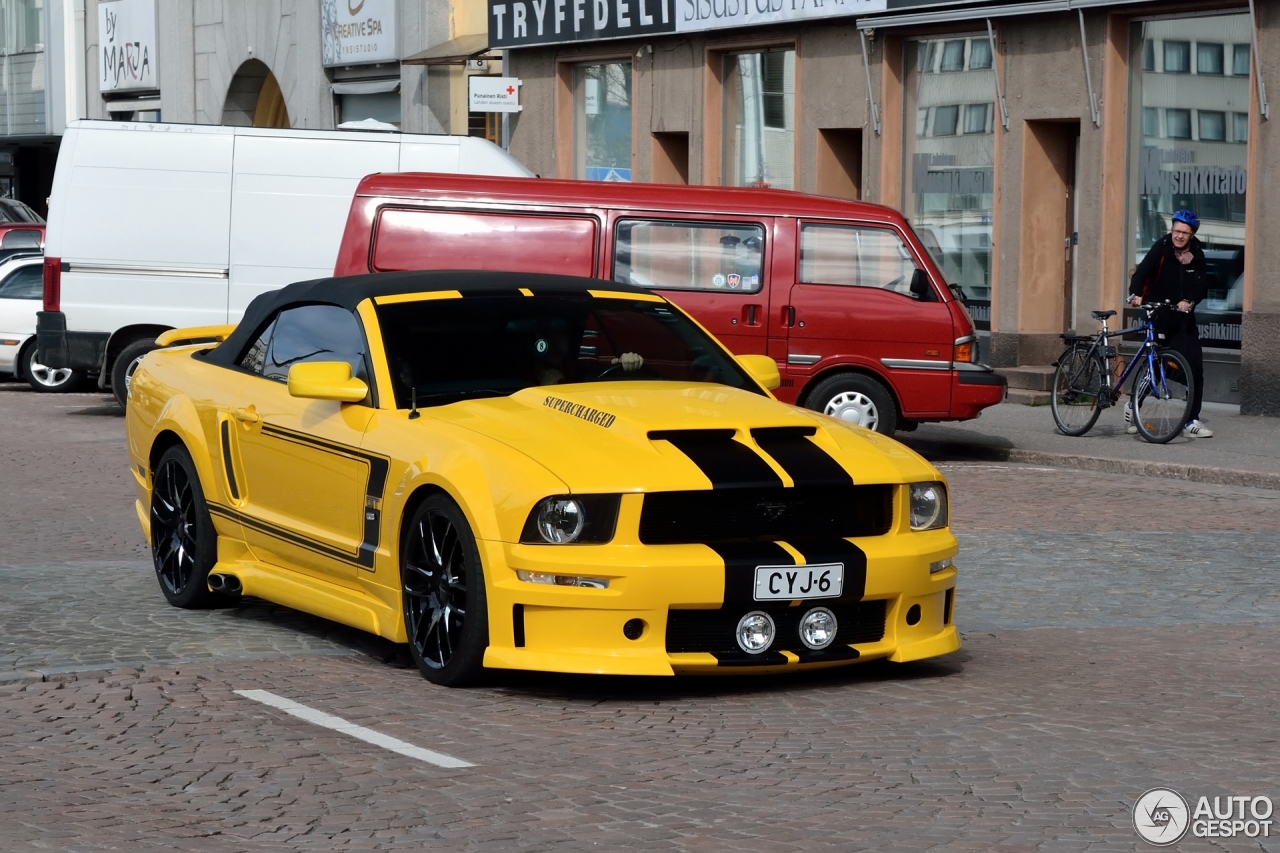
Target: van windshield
[{"x": 445, "y": 350}]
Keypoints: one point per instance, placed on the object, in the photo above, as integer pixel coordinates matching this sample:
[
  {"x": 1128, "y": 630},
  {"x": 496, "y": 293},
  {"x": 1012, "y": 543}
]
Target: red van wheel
[{"x": 856, "y": 399}]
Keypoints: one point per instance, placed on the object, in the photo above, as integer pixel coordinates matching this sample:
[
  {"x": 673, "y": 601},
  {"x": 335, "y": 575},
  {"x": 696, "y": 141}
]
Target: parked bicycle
[{"x": 1162, "y": 387}]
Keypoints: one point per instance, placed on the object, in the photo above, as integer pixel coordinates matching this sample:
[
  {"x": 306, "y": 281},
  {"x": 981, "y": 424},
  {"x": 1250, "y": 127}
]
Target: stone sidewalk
[{"x": 1245, "y": 450}]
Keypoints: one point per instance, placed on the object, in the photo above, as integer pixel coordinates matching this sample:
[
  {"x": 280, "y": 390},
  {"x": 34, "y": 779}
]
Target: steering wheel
[{"x": 644, "y": 371}]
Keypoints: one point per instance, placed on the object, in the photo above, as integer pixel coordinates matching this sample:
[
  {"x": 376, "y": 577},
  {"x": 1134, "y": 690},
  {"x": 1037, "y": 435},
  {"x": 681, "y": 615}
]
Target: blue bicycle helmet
[{"x": 1188, "y": 218}]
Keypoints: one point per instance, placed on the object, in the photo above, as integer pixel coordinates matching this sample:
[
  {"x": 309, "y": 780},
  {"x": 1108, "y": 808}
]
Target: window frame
[
  {"x": 268, "y": 324},
  {"x": 892, "y": 228},
  {"x": 765, "y": 250}
]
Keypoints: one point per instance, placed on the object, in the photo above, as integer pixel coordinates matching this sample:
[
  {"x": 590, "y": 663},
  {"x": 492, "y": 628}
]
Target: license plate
[{"x": 788, "y": 583}]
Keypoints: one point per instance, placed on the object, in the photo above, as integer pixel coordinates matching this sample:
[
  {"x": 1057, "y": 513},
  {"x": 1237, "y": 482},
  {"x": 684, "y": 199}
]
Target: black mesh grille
[
  {"x": 712, "y": 630},
  {"x": 726, "y": 515}
]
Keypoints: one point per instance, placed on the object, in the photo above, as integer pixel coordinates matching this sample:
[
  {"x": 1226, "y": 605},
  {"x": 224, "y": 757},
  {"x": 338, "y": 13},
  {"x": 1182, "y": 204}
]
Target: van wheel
[
  {"x": 126, "y": 363},
  {"x": 856, "y": 399},
  {"x": 47, "y": 379}
]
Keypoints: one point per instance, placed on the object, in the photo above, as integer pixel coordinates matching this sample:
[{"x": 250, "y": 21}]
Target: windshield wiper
[{"x": 461, "y": 394}]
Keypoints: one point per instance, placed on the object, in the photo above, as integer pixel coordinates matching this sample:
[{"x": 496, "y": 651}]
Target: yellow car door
[{"x": 310, "y": 494}]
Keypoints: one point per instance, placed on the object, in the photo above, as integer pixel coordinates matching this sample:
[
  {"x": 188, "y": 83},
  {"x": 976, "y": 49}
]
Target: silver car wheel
[
  {"x": 855, "y": 408},
  {"x": 49, "y": 377}
]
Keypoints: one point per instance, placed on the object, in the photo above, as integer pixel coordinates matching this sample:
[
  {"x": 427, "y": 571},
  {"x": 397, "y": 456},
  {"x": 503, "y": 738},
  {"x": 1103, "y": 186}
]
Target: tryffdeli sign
[{"x": 523, "y": 23}]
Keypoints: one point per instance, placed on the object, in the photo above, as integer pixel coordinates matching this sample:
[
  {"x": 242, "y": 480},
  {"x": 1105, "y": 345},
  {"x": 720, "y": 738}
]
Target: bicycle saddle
[{"x": 1101, "y": 315}]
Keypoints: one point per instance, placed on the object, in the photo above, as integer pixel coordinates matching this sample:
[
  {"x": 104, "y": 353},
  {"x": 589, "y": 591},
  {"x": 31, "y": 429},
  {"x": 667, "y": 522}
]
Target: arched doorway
[{"x": 254, "y": 98}]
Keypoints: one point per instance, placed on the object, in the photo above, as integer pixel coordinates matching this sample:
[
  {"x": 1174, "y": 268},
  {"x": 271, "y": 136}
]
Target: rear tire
[
  {"x": 1162, "y": 402},
  {"x": 47, "y": 380},
  {"x": 183, "y": 542},
  {"x": 1077, "y": 391},
  {"x": 856, "y": 399},
  {"x": 125, "y": 364}
]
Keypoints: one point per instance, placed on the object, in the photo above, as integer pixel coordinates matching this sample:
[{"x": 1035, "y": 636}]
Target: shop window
[
  {"x": 380, "y": 106},
  {"x": 949, "y": 180},
  {"x": 855, "y": 257},
  {"x": 1149, "y": 55},
  {"x": 602, "y": 121},
  {"x": 1201, "y": 160},
  {"x": 1240, "y": 60},
  {"x": 1240, "y": 127},
  {"x": 944, "y": 120},
  {"x": 1177, "y": 57},
  {"x": 953, "y": 55},
  {"x": 758, "y": 132},
  {"x": 1208, "y": 58},
  {"x": 1177, "y": 124},
  {"x": 975, "y": 118},
  {"x": 1150, "y": 121},
  {"x": 485, "y": 126},
  {"x": 979, "y": 55},
  {"x": 690, "y": 255},
  {"x": 1213, "y": 125}
]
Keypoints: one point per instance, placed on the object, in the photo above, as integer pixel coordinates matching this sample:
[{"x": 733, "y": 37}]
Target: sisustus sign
[{"x": 523, "y": 23}]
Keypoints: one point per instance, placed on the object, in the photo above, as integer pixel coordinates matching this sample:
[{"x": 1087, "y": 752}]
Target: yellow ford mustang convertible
[{"x": 517, "y": 471}]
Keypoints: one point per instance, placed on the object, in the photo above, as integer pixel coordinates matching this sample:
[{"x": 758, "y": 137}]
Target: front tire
[
  {"x": 183, "y": 542},
  {"x": 856, "y": 399},
  {"x": 1162, "y": 400},
  {"x": 1077, "y": 392},
  {"x": 443, "y": 594},
  {"x": 47, "y": 380},
  {"x": 125, "y": 364}
]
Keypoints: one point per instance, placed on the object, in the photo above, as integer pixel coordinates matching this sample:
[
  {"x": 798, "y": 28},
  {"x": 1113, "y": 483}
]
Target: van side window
[
  {"x": 308, "y": 333},
  {"x": 689, "y": 255},
  {"x": 855, "y": 257}
]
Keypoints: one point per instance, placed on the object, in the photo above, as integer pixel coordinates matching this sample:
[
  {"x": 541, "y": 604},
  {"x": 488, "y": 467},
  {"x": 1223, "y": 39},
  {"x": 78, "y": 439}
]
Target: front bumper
[
  {"x": 974, "y": 387},
  {"x": 9, "y": 352},
  {"x": 580, "y": 630}
]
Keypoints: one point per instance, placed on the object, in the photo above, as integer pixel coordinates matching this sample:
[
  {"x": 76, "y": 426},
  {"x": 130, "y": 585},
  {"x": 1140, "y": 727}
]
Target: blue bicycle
[{"x": 1162, "y": 385}]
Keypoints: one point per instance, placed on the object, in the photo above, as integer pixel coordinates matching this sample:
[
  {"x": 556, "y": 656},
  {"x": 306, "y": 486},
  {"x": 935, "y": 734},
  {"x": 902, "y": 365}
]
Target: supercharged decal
[{"x": 578, "y": 410}]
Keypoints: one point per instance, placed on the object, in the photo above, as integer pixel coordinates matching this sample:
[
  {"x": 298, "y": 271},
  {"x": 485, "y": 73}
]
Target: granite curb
[{"x": 939, "y": 450}]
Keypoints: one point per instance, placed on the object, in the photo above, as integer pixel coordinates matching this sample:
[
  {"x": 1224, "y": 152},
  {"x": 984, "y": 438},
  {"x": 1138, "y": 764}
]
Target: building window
[
  {"x": 1208, "y": 58},
  {"x": 975, "y": 118},
  {"x": 1240, "y": 60},
  {"x": 1177, "y": 124},
  {"x": 1149, "y": 55},
  {"x": 602, "y": 121},
  {"x": 979, "y": 55},
  {"x": 1240, "y": 127},
  {"x": 379, "y": 106},
  {"x": 953, "y": 55},
  {"x": 1213, "y": 125},
  {"x": 1177, "y": 57},
  {"x": 1201, "y": 160},
  {"x": 759, "y": 119},
  {"x": 949, "y": 183},
  {"x": 1150, "y": 121}
]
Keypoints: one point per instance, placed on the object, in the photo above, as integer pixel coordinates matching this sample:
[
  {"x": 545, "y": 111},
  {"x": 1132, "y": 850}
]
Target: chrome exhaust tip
[
  {"x": 217, "y": 583},
  {"x": 229, "y": 584}
]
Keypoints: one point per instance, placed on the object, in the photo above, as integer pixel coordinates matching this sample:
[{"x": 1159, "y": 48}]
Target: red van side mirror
[{"x": 920, "y": 287}]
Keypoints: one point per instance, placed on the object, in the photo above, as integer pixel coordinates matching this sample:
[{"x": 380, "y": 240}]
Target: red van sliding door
[
  {"x": 428, "y": 239},
  {"x": 712, "y": 268},
  {"x": 853, "y": 302}
]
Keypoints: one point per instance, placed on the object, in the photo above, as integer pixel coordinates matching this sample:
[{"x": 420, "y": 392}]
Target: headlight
[
  {"x": 572, "y": 520},
  {"x": 928, "y": 506}
]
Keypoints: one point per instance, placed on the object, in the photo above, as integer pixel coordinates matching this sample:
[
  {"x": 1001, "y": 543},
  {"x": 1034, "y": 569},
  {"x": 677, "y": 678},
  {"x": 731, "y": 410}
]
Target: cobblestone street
[{"x": 1119, "y": 633}]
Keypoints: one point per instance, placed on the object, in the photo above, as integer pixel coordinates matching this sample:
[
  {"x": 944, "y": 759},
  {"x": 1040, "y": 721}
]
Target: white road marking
[{"x": 329, "y": 721}]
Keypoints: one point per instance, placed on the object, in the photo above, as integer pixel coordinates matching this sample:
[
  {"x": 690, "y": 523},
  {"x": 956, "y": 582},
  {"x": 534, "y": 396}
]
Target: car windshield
[
  {"x": 447, "y": 350},
  {"x": 12, "y": 210}
]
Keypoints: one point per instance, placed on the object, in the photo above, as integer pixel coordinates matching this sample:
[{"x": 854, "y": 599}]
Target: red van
[{"x": 841, "y": 294}]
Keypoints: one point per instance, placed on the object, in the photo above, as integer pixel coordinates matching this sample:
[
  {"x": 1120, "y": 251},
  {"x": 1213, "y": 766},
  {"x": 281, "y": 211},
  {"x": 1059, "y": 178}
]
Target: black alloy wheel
[
  {"x": 443, "y": 593},
  {"x": 183, "y": 541}
]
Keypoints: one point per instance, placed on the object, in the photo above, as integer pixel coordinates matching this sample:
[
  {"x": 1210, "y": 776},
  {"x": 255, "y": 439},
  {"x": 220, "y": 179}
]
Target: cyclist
[{"x": 1174, "y": 270}]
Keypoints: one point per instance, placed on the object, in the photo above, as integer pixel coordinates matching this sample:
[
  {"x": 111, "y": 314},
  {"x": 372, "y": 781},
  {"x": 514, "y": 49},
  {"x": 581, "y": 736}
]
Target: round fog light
[
  {"x": 913, "y": 614},
  {"x": 755, "y": 632},
  {"x": 633, "y": 629},
  {"x": 818, "y": 628}
]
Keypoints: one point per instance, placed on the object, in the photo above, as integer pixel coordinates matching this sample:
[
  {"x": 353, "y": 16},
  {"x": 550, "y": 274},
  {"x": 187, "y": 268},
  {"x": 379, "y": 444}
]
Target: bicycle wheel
[
  {"x": 1077, "y": 391},
  {"x": 1162, "y": 398}
]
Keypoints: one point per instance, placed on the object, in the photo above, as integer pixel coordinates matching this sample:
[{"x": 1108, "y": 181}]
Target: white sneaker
[
  {"x": 1196, "y": 429},
  {"x": 1129, "y": 426}
]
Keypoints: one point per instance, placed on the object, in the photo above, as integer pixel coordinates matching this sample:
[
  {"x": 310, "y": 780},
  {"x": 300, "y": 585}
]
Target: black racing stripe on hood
[
  {"x": 805, "y": 462},
  {"x": 740, "y": 562},
  {"x": 728, "y": 464},
  {"x": 817, "y": 551}
]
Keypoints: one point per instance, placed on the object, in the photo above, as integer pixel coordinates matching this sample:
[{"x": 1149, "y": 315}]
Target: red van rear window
[{"x": 450, "y": 240}]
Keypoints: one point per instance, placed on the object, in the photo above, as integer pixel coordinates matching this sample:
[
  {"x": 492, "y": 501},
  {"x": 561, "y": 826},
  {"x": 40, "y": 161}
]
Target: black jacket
[{"x": 1160, "y": 277}]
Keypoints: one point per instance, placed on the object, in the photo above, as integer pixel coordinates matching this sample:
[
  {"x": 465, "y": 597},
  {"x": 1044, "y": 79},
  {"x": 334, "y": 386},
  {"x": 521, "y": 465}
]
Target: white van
[{"x": 161, "y": 226}]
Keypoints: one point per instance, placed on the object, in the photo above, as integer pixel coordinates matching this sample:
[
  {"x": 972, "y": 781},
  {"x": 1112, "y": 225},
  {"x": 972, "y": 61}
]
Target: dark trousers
[{"x": 1187, "y": 342}]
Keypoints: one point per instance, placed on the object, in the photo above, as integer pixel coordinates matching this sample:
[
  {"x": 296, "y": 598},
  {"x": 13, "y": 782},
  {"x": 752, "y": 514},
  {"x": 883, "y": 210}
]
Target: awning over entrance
[{"x": 455, "y": 51}]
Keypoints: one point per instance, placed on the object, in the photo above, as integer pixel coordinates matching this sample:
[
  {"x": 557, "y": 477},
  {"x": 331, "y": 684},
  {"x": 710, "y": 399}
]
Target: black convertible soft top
[{"x": 349, "y": 291}]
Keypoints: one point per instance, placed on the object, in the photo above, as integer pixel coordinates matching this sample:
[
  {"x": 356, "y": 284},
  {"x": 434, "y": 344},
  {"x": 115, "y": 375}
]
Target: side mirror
[
  {"x": 920, "y": 287},
  {"x": 762, "y": 369},
  {"x": 326, "y": 380}
]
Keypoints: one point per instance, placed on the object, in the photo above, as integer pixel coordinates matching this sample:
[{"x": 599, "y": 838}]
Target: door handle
[
  {"x": 246, "y": 415},
  {"x": 751, "y": 314},
  {"x": 788, "y": 315}
]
